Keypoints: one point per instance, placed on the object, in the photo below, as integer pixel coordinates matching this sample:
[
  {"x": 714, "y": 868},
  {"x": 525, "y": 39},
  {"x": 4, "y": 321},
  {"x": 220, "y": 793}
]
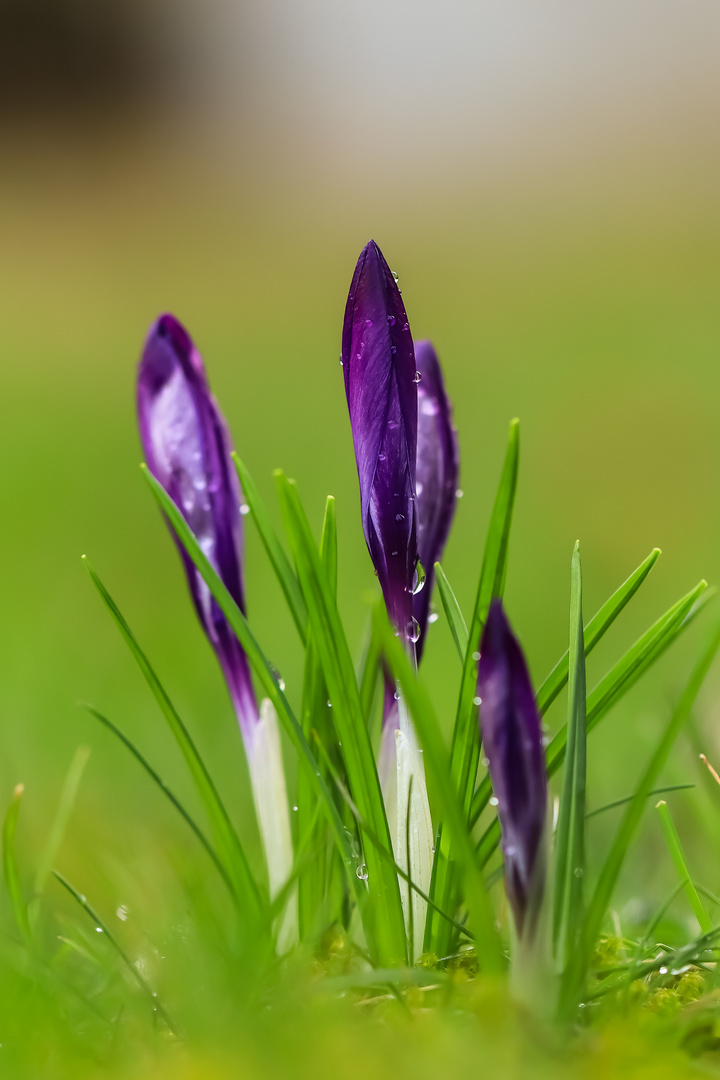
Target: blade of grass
[
  {"x": 481, "y": 917},
  {"x": 465, "y": 750},
  {"x": 629, "y": 798},
  {"x": 226, "y": 838},
  {"x": 99, "y": 924},
  {"x": 455, "y": 617},
  {"x": 157, "y": 779},
  {"x": 384, "y": 918},
  {"x": 311, "y": 827},
  {"x": 678, "y": 857},
  {"x": 621, "y": 677},
  {"x": 595, "y": 629},
  {"x": 66, "y": 803},
  {"x": 10, "y": 866},
  {"x": 570, "y": 833},
  {"x": 575, "y": 973},
  {"x": 275, "y": 551},
  {"x": 264, "y": 670}
]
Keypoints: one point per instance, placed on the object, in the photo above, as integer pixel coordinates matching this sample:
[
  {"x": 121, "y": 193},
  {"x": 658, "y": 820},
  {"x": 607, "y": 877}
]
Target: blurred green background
[{"x": 544, "y": 180}]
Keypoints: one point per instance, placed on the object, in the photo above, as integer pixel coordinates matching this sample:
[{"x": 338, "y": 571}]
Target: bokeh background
[{"x": 543, "y": 176}]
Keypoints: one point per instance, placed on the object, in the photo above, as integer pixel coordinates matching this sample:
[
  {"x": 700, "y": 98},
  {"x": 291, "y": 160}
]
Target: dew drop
[
  {"x": 368, "y": 322},
  {"x": 420, "y": 578},
  {"x": 391, "y": 320},
  {"x": 393, "y": 348},
  {"x": 295, "y": 809},
  {"x": 244, "y": 509},
  {"x": 477, "y": 701},
  {"x": 459, "y": 493},
  {"x": 122, "y": 913},
  {"x": 361, "y": 872},
  {"x": 485, "y": 761},
  {"x": 393, "y": 552},
  {"x": 395, "y": 276},
  {"x": 98, "y": 929},
  {"x": 476, "y": 656},
  {"x": 396, "y": 696},
  {"x": 418, "y": 377},
  {"x": 494, "y": 800},
  {"x": 414, "y": 630},
  {"x": 433, "y": 617},
  {"x": 406, "y": 326},
  {"x": 399, "y": 517},
  {"x": 662, "y": 971},
  {"x": 281, "y": 684},
  {"x": 578, "y": 871},
  {"x": 419, "y": 487},
  {"x": 381, "y": 457}
]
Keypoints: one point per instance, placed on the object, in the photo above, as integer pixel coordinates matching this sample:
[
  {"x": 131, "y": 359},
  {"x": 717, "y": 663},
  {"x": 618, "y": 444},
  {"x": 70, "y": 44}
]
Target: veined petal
[
  {"x": 187, "y": 448},
  {"x": 436, "y": 474},
  {"x": 512, "y": 739},
  {"x": 379, "y": 368}
]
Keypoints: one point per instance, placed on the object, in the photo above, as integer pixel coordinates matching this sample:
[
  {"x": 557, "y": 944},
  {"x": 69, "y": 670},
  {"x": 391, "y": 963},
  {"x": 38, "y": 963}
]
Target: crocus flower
[
  {"x": 512, "y": 739},
  {"x": 436, "y": 475},
  {"x": 187, "y": 448},
  {"x": 380, "y": 383}
]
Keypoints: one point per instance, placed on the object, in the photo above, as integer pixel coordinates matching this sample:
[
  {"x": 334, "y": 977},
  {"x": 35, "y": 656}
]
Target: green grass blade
[
  {"x": 570, "y": 833},
  {"x": 157, "y": 779},
  {"x": 264, "y": 670},
  {"x": 66, "y": 803},
  {"x": 678, "y": 857},
  {"x": 385, "y": 926},
  {"x": 595, "y": 629},
  {"x": 10, "y": 866},
  {"x": 455, "y": 618},
  {"x": 621, "y": 677},
  {"x": 629, "y": 798},
  {"x": 313, "y": 877},
  {"x": 132, "y": 968},
  {"x": 275, "y": 551},
  {"x": 226, "y": 838},
  {"x": 465, "y": 750},
  {"x": 631, "y": 819},
  {"x": 481, "y": 917}
]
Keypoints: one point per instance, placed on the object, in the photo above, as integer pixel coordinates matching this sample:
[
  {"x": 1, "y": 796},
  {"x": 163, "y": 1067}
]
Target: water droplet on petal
[
  {"x": 399, "y": 517},
  {"x": 420, "y": 578},
  {"x": 368, "y": 322},
  {"x": 414, "y": 630},
  {"x": 391, "y": 320},
  {"x": 393, "y": 348},
  {"x": 395, "y": 276},
  {"x": 418, "y": 377}
]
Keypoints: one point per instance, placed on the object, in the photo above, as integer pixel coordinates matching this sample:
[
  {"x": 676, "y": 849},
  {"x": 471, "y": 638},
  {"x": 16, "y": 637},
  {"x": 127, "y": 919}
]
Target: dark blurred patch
[{"x": 76, "y": 54}]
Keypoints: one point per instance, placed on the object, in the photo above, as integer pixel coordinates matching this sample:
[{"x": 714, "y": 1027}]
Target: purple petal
[
  {"x": 436, "y": 473},
  {"x": 512, "y": 739},
  {"x": 187, "y": 448},
  {"x": 379, "y": 368}
]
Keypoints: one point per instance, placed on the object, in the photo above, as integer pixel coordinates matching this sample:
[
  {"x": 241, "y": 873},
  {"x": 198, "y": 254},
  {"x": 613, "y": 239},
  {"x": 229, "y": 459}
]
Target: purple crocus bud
[
  {"x": 436, "y": 474},
  {"x": 380, "y": 382},
  {"x": 512, "y": 739},
  {"x": 187, "y": 448}
]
